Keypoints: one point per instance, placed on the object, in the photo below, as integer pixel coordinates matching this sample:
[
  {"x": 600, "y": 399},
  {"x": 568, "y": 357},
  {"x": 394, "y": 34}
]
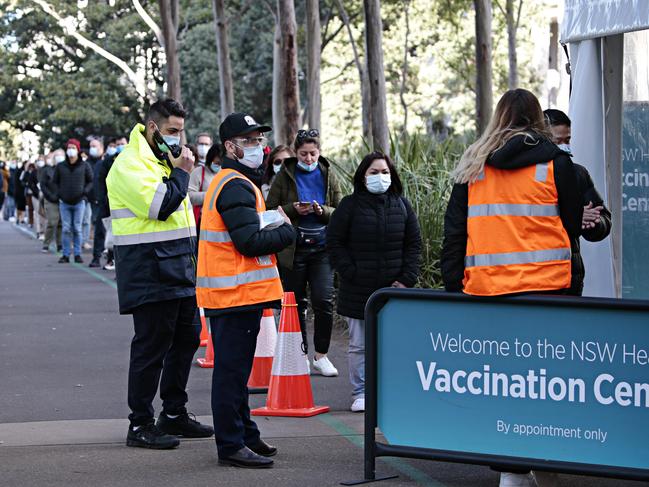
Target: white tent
[{"x": 603, "y": 79}]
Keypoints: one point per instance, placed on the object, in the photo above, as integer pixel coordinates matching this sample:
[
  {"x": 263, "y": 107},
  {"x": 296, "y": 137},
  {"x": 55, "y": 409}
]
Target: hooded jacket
[{"x": 575, "y": 190}]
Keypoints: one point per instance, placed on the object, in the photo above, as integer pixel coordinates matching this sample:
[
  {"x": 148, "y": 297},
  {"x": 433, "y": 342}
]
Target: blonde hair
[{"x": 518, "y": 113}]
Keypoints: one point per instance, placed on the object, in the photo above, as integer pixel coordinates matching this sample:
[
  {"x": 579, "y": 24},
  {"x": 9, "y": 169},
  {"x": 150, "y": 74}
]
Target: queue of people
[{"x": 230, "y": 226}]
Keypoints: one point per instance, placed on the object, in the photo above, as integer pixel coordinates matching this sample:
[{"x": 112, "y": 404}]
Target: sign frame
[{"x": 374, "y": 448}]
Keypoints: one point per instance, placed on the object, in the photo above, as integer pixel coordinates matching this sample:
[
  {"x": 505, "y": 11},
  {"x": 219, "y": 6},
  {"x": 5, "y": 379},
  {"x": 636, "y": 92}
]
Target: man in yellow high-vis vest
[{"x": 154, "y": 242}]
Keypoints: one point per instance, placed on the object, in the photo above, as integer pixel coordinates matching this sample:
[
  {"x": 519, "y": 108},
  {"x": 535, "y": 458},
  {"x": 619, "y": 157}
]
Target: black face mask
[{"x": 163, "y": 147}]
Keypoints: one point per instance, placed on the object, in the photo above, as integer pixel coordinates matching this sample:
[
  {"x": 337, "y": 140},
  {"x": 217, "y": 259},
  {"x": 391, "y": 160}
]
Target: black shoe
[
  {"x": 78, "y": 259},
  {"x": 45, "y": 249},
  {"x": 94, "y": 263},
  {"x": 246, "y": 458},
  {"x": 264, "y": 449},
  {"x": 64, "y": 259},
  {"x": 59, "y": 248},
  {"x": 149, "y": 436},
  {"x": 184, "y": 425}
]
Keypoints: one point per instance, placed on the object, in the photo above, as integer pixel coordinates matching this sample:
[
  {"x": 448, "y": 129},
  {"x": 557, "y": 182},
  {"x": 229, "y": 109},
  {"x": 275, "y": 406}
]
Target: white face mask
[
  {"x": 202, "y": 150},
  {"x": 378, "y": 183},
  {"x": 20, "y": 165},
  {"x": 94, "y": 152},
  {"x": 253, "y": 157},
  {"x": 565, "y": 148},
  {"x": 72, "y": 152},
  {"x": 277, "y": 168},
  {"x": 111, "y": 151},
  {"x": 40, "y": 163},
  {"x": 59, "y": 158}
]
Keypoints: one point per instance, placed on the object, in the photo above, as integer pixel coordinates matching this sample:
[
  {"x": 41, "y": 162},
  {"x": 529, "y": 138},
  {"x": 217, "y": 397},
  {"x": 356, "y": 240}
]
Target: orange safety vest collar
[
  {"x": 516, "y": 241},
  {"x": 225, "y": 277}
]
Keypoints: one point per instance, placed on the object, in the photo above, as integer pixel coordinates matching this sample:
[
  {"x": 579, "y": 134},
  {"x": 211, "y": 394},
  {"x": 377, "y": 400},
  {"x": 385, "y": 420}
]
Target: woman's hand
[
  {"x": 398, "y": 284},
  {"x": 317, "y": 209},
  {"x": 303, "y": 209},
  {"x": 591, "y": 216}
]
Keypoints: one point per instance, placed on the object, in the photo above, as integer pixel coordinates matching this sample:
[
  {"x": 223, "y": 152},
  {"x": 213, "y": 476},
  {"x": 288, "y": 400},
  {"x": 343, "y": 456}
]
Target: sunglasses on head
[{"x": 303, "y": 134}]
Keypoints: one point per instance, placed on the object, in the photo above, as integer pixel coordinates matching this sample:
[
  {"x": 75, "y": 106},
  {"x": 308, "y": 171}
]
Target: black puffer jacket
[
  {"x": 46, "y": 180},
  {"x": 72, "y": 181},
  {"x": 373, "y": 240},
  {"x": 575, "y": 190}
]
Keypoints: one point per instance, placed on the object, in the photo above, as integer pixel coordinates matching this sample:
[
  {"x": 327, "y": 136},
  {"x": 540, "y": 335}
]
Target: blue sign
[{"x": 536, "y": 381}]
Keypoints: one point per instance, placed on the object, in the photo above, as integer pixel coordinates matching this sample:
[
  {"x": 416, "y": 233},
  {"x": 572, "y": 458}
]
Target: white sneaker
[
  {"x": 358, "y": 406},
  {"x": 508, "y": 479},
  {"x": 325, "y": 367},
  {"x": 546, "y": 479},
  {"x": 87, "y": 246}
]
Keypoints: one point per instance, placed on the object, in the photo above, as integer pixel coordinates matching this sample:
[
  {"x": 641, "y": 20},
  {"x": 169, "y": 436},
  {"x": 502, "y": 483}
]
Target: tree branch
[
  {"x": 342, "y": 71},
  {"x": 69, "y": 29},
  {"x": 150, "y": 22}
]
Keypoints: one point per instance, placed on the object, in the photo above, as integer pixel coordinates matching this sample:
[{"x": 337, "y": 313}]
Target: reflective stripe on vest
[
  {"x": 515, "y": 238},
  {"x": 126, "y": 213},
  {"x": 151, "y": 237},
  {"x": 511, "y": 258},
  {"x": 513, "y": 210},
  {"x": 239, "y": 279},
  {"x": 211, "y": 236},
  {"x": 156, "y": 203}
]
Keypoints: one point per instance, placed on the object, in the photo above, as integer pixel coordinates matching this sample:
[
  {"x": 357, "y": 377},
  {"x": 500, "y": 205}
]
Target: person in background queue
[
  {"x": 308, "y": 192},
  {"x": 154, "y": 239},
  {"x": 237, "y": 280},
  {"x": 203, "y": 144},
  {"x": 73, "y": 182},
  {"x": 96, "y": 160},
  {"x": 514, "y": 218},
  {"x": 596, "y": 222},
  {"x": 101, "y": 194},
  {"x": 274, "y": 163},
  {"x": 19, "y": 193},
  {"x": 201, "y": 177},
  {"x": 373, "y": 241},
  {"x": 50, "y": 202}
]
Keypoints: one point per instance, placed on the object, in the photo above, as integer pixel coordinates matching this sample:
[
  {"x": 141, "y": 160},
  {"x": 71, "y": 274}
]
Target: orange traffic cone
[
  {"x": 208, "y": 361},
  {"x": 205, "y": 335},
  {"x": 264, "y": 352},
  {"x": 289, "y": 393}
]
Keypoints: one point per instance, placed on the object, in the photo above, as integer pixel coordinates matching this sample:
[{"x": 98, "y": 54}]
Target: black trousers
[
  {"x": 234, "y": 336},
  {"x": 162, "y": 351},
  {"x": 100, "y": 233},
  {"x": 312, "y": 267}
]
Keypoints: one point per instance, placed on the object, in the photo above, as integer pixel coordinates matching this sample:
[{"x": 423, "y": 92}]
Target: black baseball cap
[{"x": 239, "y": 124}]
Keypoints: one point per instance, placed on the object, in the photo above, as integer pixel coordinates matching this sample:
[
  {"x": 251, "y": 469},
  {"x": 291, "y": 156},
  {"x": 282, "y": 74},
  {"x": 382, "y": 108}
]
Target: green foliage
[{"x": 424, "y": 166}]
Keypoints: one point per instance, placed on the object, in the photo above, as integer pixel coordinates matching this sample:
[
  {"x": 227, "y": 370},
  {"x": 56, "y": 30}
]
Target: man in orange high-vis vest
[
  {"x": 516, "y": 228},
  {"x": 237, "y": 278}
]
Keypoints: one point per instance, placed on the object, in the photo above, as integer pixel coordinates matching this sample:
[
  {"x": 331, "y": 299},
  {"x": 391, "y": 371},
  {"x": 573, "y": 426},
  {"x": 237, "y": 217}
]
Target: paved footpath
[{"x": 63, "y": 366}]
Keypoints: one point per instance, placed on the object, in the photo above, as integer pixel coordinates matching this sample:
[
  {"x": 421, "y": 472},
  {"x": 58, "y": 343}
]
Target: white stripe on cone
[
  {"x": 267, "y": 338},
  {"x": 289, "y": 359}
]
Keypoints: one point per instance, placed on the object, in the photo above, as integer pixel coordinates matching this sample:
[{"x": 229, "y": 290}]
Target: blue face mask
[
  {"x": 253, "y": 157},
  {"x": 307, "y": 167},
  {"x": 565, "y": 148},
  {"x": 119, "y": 148},
  {"x": 111, "y": 151},
  {"x": 171, "y": 140}
]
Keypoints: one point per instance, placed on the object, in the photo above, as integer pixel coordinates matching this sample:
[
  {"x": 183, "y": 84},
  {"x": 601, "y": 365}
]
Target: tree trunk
[
  {"x": 404, "y": 69},
  {"x": 278, "y": 107},
  {"x": 225, "y": 71},
  {"x": 313, "y": 43},
  {"x": 553, "y": 61},
  {"x": 361, "y": 65},
  {"x": 290, "y": 94},
  {"x": 376, "y": 74},
  {"x": 169, "y": 20},
  {"x": 512, "y": 27},
  {"x": 484, "y": 98}
]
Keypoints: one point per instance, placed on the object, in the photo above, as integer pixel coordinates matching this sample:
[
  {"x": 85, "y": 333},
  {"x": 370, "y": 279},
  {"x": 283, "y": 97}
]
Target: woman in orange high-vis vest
[
  {"x": 514, "y": 217},
  {"x": 237, "y": 278}
]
